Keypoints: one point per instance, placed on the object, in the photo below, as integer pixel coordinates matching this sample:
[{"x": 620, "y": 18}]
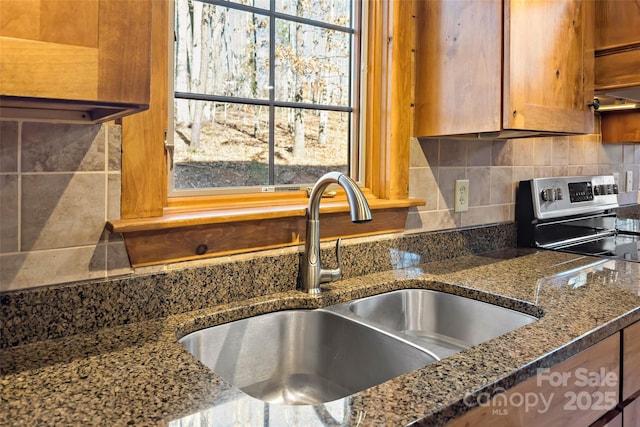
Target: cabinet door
[
  {"x": 458, "y": 67},
  {"x": 548, "y": 60},
  {"x": 576, "y": 392},
  {"x": 631, "y": 360},
  {"x": 631, "y": 414},
  {"x": 94, "y": 53},
  {"x": 617, "y": 23}
]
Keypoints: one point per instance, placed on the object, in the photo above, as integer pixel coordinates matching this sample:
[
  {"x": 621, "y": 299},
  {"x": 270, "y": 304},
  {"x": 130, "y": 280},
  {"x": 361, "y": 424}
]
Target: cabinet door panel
[
  {"x": 458, "y": 63},
  {"x": 572, "y": 401},
  {"x": 631, "y": 360},
  {"x": 547, "y": 83}
]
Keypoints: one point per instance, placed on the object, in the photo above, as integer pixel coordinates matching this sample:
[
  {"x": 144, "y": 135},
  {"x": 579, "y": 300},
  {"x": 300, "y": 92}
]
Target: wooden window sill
[{"x": 185, "y": 233}]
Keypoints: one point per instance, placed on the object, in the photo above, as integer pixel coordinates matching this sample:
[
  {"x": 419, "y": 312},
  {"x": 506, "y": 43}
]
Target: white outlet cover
[{"x": 461, "y": 196}]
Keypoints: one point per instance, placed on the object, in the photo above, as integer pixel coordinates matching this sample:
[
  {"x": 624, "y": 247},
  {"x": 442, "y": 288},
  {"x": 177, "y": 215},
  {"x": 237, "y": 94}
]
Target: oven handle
[{"x": 577, "y": 240}]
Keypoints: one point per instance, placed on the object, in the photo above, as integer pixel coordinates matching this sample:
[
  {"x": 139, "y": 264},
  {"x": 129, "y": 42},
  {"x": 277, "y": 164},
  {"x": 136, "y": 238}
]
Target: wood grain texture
[
  {"x": 47, "y": 70},
  {"x": 546, "y": 79},
  {"x": 125, "y": 50},
  {"x": 458, "y": 67},
  {"x": 603, "y": 355},
  {"x": 617, "y": 23},
  {"x": 617, "y": 70},
  {"x": 144, "y": 173},
  {"x": 90, "y": 56},
  {"x": 621, "y": 126},
  {"x": 631, "y": 414},
  {"x": 180, "y": 244},
  {"x": 389, "y": 105},
  {"x": 631, "y": 361}
]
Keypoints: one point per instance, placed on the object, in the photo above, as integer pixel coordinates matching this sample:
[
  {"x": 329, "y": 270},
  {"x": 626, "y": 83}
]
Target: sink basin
[
  {"x": 303, "y": 356},
  {"x": 441, "y": 322}
]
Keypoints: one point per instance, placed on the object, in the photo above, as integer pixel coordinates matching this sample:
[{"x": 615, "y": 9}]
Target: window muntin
[{"x": 249, "y": 135}]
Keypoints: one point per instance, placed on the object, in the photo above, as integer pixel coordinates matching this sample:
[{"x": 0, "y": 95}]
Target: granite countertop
[{"x": 137, "y": 374}]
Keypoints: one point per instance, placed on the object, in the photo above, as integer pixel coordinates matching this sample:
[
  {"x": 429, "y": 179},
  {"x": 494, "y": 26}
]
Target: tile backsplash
[
  {"x": 58, "y": 185},
  {"x": 494, "y": 168}
]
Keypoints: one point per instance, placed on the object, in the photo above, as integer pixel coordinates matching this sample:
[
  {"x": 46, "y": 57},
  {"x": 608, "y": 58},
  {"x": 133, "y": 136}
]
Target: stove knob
[
  {"x": 615, "y": 188},
  {"x": 558, "y": 192},
  {"x": 548, "y": 194},
  {"x": 597, "y": 190}
]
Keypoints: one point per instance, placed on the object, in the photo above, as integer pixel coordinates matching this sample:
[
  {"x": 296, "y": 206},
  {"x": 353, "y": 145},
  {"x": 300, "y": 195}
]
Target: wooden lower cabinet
[
  {"x": 631, "y": 414},
  {"x": 577, "y": 392}
]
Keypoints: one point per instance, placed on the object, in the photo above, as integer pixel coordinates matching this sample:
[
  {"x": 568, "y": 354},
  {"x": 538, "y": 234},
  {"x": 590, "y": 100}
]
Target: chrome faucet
[{"x": 312, "y": 272}]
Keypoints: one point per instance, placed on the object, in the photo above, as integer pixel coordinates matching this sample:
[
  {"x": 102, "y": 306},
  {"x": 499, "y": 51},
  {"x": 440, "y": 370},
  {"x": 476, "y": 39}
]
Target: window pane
[
  {"x": 312, "y": 64},
  {"x": 226, "y": 53},
  {"x": 228, "y": 146},
  {"x": 264, "y": 4},
  {"x": 337, "y": 12},
  {"x": 325, "y": 146}
]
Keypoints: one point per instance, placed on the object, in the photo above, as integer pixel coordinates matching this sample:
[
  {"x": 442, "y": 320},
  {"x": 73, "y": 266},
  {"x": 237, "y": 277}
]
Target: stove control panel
[{"x": 564, "y": 196}]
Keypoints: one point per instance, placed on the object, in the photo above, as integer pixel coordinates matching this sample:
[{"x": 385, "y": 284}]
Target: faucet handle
[
  {"x": 339, "y": 255},
  {"x": 333, "y": 274}
]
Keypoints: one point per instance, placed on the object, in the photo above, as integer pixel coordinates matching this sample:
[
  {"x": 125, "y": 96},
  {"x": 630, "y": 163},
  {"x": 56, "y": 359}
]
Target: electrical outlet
[
  {"x": 629, "y": 184},
  {"x": 461, "y": 196}
]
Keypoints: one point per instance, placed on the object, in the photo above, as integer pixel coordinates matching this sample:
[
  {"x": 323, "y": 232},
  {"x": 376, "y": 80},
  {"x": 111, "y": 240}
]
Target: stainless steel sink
[
  {"x": 440, "y": 322},
  {"x": 302, "y": 356}
]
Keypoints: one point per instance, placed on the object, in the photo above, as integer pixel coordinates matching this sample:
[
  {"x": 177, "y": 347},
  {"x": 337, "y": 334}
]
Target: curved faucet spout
[{"x": 312, "y": 272}]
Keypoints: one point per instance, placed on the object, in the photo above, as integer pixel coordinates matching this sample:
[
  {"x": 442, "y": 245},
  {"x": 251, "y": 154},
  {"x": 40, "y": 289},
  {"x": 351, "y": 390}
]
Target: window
[
  {"x": 265, "y": 93},
  {"x": 160, "y": 228}
]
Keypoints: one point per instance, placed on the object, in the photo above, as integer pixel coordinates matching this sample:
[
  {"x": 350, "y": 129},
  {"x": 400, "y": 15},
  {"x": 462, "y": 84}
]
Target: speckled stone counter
[{"x": 137, "y": 374}]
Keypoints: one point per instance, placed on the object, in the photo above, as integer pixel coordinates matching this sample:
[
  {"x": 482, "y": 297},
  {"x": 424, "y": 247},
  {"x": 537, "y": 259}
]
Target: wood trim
[
  {"x": 144, "y": 164},
  {"x": 177, "y": 217},
  {"x": 219, "y": 239},
  {"x": 390, "y": 97},
  {"x": 160, "y": 229}
]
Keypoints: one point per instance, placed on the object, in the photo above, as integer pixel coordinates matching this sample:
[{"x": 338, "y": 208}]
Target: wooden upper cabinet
[
  {"x": 505, "y": 69},
  {"x": 617, "y": 44},
  {"x": 86, "y": 60}
]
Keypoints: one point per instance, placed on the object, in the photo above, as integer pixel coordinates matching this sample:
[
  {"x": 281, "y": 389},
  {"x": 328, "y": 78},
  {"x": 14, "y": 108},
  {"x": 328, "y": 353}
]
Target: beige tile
[
  {"x": 501, "y": 190},
  {"x": 62, "y": 210},
  {"x": 590, "y": 170},
  {"x": 502, "y": 153},
  {"x": 479, "y": 153},
  {"x": 117, "y": 259},
  {"x": 560, "y": 170},
  {"x": 433, "y": 221},
  {"x": 628, "y": 153},
  {"x": 576, "y": 151},
  {"x": 39, "y": 268},
  {"x": 577, "y": 170},
  {"x": 8, "y": 146},
  {"x": 486, "y": 215},
  {"x": 591, "y": 152},
  {"x": 542, "y": 151},
  {"x": 611, "y": 154},
  {"x": 521, "y": 173},
  {"x": 431, "y": 150},
  {"x": 560, "y": 151},
  {"x": 479, "y": 183},
  {"x": 446, "y": 183},
  {"x": 543, "y": 172},
  {"x": 453, "y": 152},
  {"x": 423, "y": 185},
  {"x": 417, "y": 157},
  {"x": 114, "y": 142},
  {"x": 8, "y": 213},
  {"x": 48, "y": 147},
  {"x": 114, "y": 190},
  {"x": 522, "y": 152}
]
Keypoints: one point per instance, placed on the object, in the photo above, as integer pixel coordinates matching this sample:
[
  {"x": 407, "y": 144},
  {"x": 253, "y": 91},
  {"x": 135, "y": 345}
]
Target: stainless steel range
[{"x": 575, "y": 214}]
